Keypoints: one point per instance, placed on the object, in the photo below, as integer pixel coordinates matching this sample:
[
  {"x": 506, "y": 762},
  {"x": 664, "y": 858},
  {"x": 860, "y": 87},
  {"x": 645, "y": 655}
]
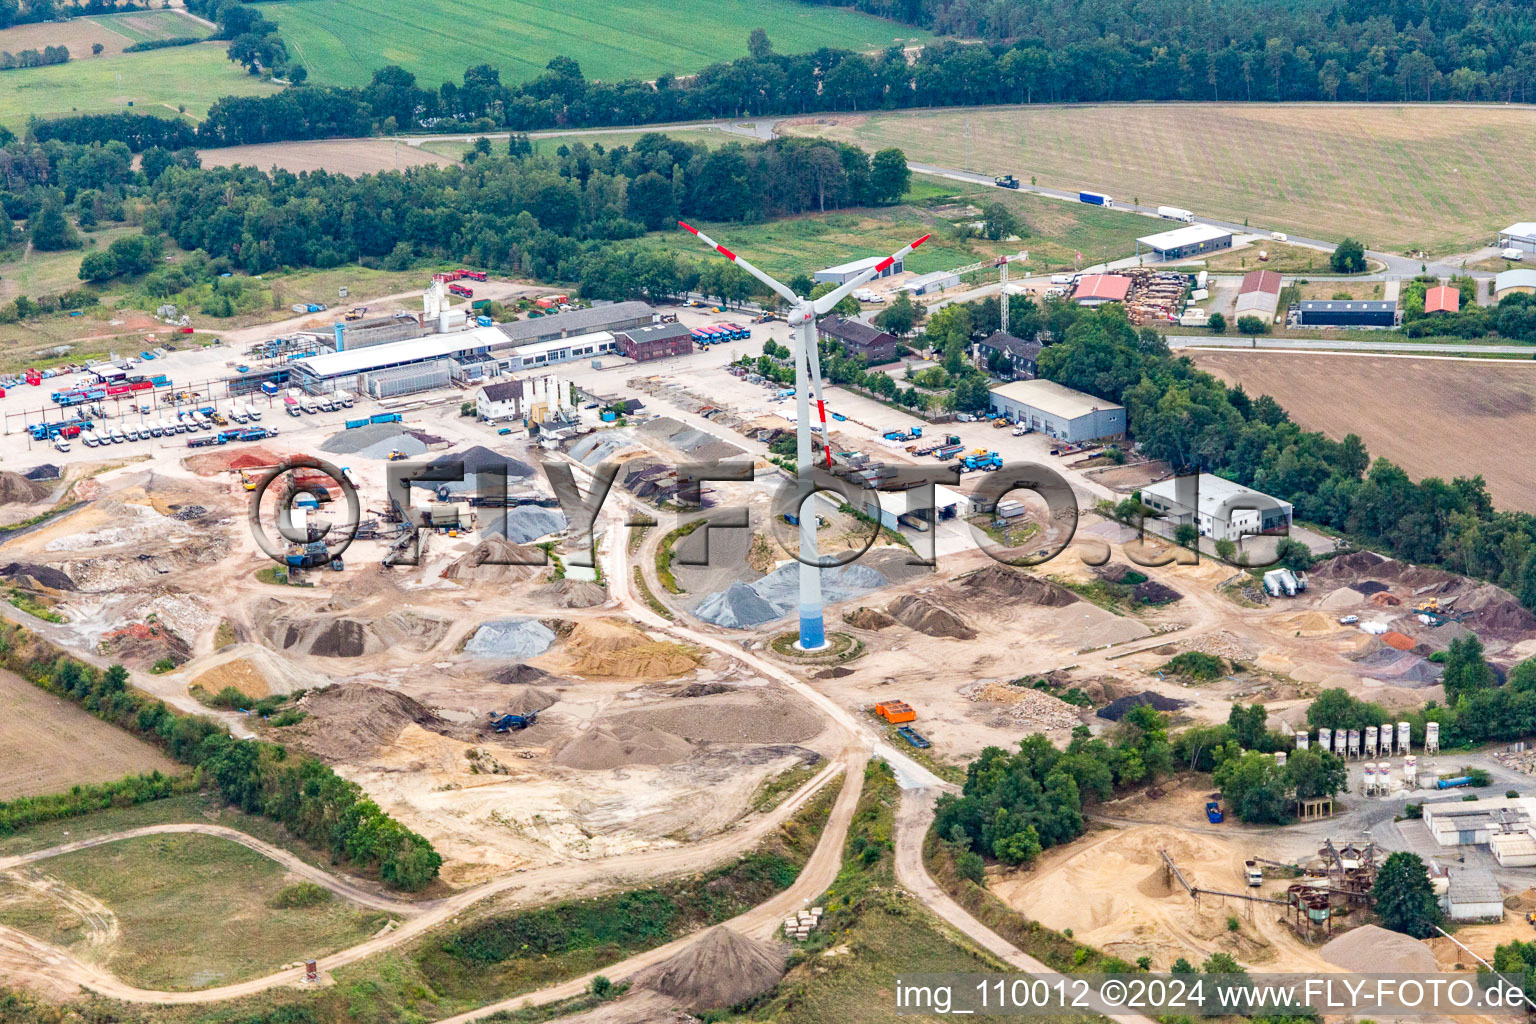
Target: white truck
[
  {"x": 237, "y": 413},
  {"x": 253, "y": 412},
  {"x": 1174, "y": 213},
  {"x": 1253, "y": 873},
  {"x": 345, "y": 398},
  {"x": 327, "y": 403},
  {"x": 309, "y": 406}
]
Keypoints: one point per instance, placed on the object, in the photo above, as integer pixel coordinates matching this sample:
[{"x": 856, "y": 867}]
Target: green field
[
  {"x": 1443, "y": 179},
  {"x": 1057, "y": 232},
  {"x": 194, "y": 911},
  {"x": 549, "y": 144},
  {"x": 342, "y": 42},
  {"x": 155, "y": 82},
  {"x": 143, "y": 26}
]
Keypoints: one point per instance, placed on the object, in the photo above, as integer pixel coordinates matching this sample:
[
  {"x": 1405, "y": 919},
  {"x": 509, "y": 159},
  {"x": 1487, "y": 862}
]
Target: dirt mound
[
  {"x": 45, "y": 473},
  {"x": 701, "y": 690},
  {"x": 252, "y": 669},
  {"x": 721, "y": 969},
  {"x": 351, "y": 721},
  {"x": 600, "y": 648},
  {"x": 1383, "y": 599},
  {"x": 868, "y": 618},
  {"x": 754, "y": 717},
  {"x": 1153, "y": 592},
  {"x": 144, "y": 644},
  {"x": 347, "y": 637},
  {"x": 16, "y": 489},
  {"x": 1495, "y": 610},
  {"x": 1310, "y": 624},
  {"x": 925, "y": 616},
  {"x": 1357, "y": 564},
  {"x": 1397, "y": 640},
  {"x": 606, "y": 746},
  {"x": 519, "y": 674},
  {"x": 527, "y": 701},
  {"x": 1369, "y": 587},
  {"x": 1371, "y": 949},
  {"x": 1116, "y": 710},
  {"x": 494, "y": 560},
  {"x": 28, "y": 574},
  {"x": 997, "y": 582},
  {"x": 574, "y": 593},
  {"x": 214, "y": 463}
]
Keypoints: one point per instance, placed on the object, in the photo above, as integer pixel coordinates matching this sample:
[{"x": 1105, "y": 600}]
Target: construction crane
[{"x": 1001, "y": 263}]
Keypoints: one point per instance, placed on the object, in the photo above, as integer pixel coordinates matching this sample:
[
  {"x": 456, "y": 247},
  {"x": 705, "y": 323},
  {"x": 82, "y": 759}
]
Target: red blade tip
[
  {"x": 687, "y": 228},
  {"x": 915, "y": 244}
]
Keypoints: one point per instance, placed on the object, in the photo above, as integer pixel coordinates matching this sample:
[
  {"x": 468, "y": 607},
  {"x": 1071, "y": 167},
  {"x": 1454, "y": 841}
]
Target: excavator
[{"x": 509, "y": 723}]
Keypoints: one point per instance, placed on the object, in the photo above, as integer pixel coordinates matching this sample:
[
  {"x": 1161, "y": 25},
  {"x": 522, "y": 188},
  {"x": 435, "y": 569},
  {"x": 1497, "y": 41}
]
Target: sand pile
[
  {"x": 925, "y": 616},
  {"x": 1371, "y": 949},
  {"x": 600, "y": 648},
  {"x": 606, "y": 746},
  {"x": 512, "y": 639},
  {"x": 570, "y": 593},
  {"x": 525, "y": 523},
  {"x": 27, "y": 574},
  {"x": 527, "y": 701},
  {"x": 16, "y": 489},
  {"x": 1383, "y": 599},
  {"x": 868, "y": 618},
  {"x": 347, "y": 637},
  {"x": 351, "y": 721},
  {"x": 997, "y": 583},
  {"x": 493, "y": 560},
  {"x": 761, "y": 717},
  {"x": 1344, "y": 597},
  {"x": 721, "y": 969},
  {"x": 253, "y": 670},
  {"x": 1310, "y": 624}
]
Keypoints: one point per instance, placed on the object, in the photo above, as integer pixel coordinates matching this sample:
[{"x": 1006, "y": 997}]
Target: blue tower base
[{"x": 813, "y": 633}]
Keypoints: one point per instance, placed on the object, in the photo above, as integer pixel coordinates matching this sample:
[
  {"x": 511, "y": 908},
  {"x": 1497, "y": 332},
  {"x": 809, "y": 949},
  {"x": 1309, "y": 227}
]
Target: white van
[
  {"x": 131, "y": 432},
  {"x": 1513, "y": 254},
  {"x": 117, "y": 436},
  {"x": 1280, "y": 236},
  {"x": 61, "y": 444}
]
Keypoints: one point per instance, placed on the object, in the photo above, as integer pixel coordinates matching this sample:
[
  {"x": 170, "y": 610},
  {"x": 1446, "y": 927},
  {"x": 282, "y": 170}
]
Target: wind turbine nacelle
[{"x": 799, "y": 316}]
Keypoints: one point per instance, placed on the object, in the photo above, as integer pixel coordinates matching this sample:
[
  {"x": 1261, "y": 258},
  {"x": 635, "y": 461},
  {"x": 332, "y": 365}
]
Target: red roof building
[
  {"x": 1442, "y": 299},
  {"x": 1099, "y": 288}
]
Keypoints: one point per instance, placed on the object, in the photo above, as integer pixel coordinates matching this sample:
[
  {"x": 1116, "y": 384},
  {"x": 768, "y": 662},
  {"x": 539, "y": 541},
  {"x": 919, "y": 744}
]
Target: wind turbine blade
[
  {"x": 836, "y": 295},
  {"x": 782, "y": 290}
]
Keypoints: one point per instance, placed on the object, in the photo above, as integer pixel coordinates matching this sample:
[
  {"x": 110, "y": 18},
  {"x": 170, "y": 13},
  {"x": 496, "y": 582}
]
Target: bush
[
  {"x": 299, "y": 895},
  {"x": 1196, "y": 665},
  {"x": 1217, "y": 323},
  {"x": 1252, "y": 325}
]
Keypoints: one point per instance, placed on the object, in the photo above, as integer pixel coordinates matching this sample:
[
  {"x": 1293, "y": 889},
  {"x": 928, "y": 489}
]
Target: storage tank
[
  {"x": 1370, "y": 740},
  {"x": 1279, "y": 759},
  {"x": 1340, "y": 742},
  {"x": 1301, "y": 741},
  {"x": 1431, "y": 737},
  {"x": 1410, "y": 771},
  {"x": 1368, "y": 780},
  {"x": 1354, "y": 743},
  {"x": 1403, "y": 736},
  {"x": 1325, "y": 740}
]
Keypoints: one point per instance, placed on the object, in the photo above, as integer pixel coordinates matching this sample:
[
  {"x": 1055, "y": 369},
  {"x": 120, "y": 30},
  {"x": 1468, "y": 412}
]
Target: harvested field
[
  {"x": 1381, "y": 173},
  {"x": 338, "y": 156},
  {"x": 1387, "y": 401},
  {"x": 48, "y": 744}
]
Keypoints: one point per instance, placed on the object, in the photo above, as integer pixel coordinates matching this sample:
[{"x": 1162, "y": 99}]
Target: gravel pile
[
  {"x": 1372, "y": 949},
  {"x": 1118, "y": 709},
  {"x": 44, "y": 473},
  {"x": 1025, "y": 704},
  {"x": 720, "y": 969},
  {"x": 525, "y": 523},
  {"x": 600, "y": 446},
  {"x": 375, "y": 441},
  {"x": 744, "y": 605},
  {"x": 187, "y": 513},
  {"x": 515, "y": 639},
  {"x": 475, "y": 461}
]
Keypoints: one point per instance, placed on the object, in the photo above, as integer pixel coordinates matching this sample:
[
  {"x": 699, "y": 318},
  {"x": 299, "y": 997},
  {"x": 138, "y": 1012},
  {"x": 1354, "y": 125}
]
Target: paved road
[{"x": 1209, "y": 341}]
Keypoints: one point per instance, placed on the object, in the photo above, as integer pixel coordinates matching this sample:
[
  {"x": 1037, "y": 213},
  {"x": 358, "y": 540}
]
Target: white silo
[
  {"x": 1370, "y": 741},
  {"x": 1354, "y": 743},
  {"x": 1410, "y": 771},
  {"x": 1403, "y": 735},
  {"x": 1279, "y": 759},
  {"x": 1340, "y": 742},
  {"x": 1301, "y": 741},
  {"x": 1368, "y": 779},
  {"x": 1431, "y": 737},
  {"x": 1325, "y": 740}
]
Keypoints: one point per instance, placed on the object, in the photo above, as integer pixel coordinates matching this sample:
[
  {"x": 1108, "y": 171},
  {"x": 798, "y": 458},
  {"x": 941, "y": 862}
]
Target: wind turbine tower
[{"x": 803, "y": 314}]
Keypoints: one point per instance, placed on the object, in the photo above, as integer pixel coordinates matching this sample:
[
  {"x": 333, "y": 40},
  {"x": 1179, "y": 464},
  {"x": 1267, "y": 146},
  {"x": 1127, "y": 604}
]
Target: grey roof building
[
  {"x": 858, "y": 338},
  {"x": 1059, "y": 411},
  {"x": 615, "y": 316},
  {"x": 1021, "y": 354}
]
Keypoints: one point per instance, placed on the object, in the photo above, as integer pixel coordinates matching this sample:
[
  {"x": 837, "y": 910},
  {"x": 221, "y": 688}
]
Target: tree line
[
  {"x": 264, "y": 778},
  {"x": 33, "y": 58},
  {"x": 26, "y": 12}
]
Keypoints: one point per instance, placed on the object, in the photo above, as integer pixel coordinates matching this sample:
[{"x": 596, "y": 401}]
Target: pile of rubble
[
  {"x": 1155, "y": 296},
  {"x": 800, "y": 925},
  {"x": 1025, "y": 704},
  {"x": 1523, "y": 761},
  {"x": 1220, "y": 643}
]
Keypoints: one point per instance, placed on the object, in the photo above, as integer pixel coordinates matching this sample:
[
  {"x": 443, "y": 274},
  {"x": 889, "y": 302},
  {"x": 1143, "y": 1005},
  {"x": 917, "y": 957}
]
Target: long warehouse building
[{"x": 473, "y": 355}]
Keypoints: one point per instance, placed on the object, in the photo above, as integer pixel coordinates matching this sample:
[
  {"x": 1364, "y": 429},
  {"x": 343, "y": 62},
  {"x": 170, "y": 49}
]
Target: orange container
[{"x": 895, "y": 711}]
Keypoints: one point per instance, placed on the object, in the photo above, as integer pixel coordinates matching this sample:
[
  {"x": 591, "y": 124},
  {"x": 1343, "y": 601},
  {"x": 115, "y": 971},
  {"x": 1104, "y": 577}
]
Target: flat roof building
[
  {"x": 845, "y": 272},
  {"x": 1180, "y": 243},
  {"x": 1351, "y": 313},
  {"x": 1442, "y": 299},
  {"x": 1258, "y": 295},
  {"x": 1221, "y": 509},
  {"x": 614, "y": 316},
  {"x": 1097, "y": 289},
  {"x": 934, "y": 282},
  {"x": 1510, "y": 282},
  {"x": 1059, "y": 411},
  {"x": 1519, "y": 236},
  {"x": 911, "y": 508},
  {"x": 655, "y": 341},
  {"x": 858, "y": 338},
  {"x": 1473, "y": 895}
]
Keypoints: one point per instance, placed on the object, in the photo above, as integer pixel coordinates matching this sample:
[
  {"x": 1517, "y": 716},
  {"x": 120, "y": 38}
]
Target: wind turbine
[{"x": 802, "y": 318}]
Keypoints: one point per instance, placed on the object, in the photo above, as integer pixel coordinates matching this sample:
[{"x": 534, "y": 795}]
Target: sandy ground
[
  {"x": 1433, "y": 417},
  {"x": 342, "y": 156},
  {"x": 1109, "y": 888},
  {"x": 48, "y": 744}
]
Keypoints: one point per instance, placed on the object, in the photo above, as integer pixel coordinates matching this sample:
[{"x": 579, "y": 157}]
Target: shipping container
[{"x": 1095, "y": 198}]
